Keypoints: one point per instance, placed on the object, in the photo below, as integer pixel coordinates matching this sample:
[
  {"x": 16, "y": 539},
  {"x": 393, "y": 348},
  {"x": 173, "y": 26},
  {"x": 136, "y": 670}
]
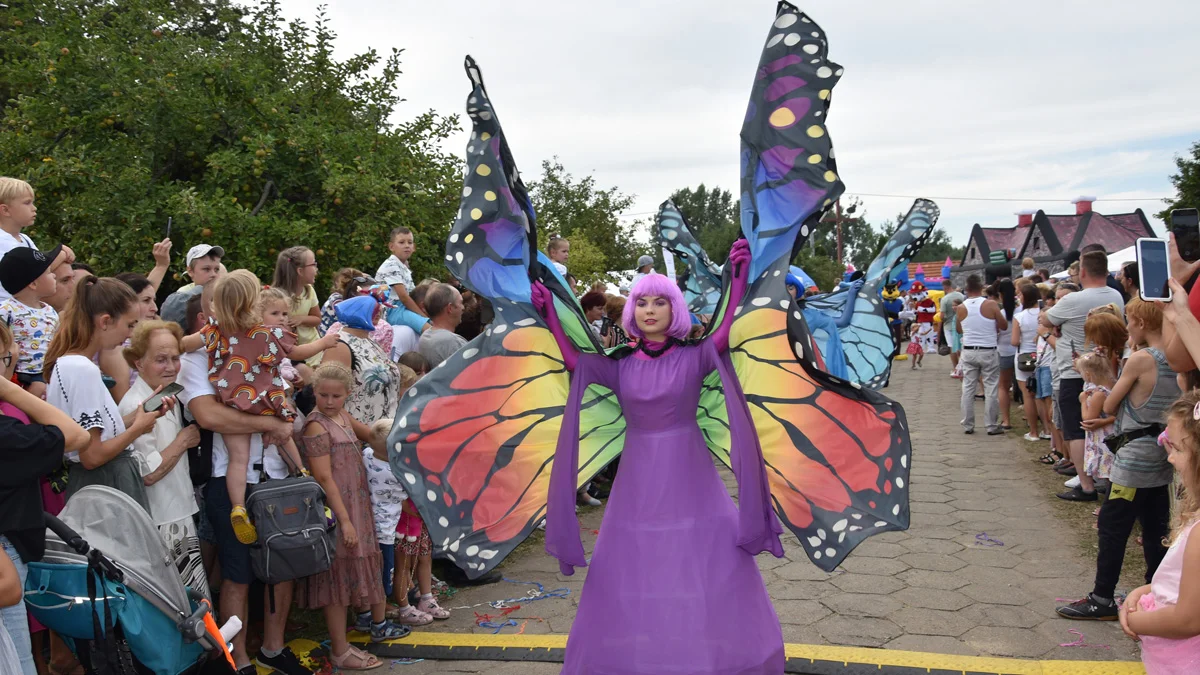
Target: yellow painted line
[{"x": 878, "y": 657}]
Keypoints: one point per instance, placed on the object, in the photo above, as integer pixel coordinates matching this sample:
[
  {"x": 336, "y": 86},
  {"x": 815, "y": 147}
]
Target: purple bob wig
[{"x": 658, "y": 285}]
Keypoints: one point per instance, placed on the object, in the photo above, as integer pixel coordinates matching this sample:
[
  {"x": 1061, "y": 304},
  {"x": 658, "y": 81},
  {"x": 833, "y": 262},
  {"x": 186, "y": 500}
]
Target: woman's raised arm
[
  {"x": 739, "y": 257},
  {"x": 543, "y": 302}
]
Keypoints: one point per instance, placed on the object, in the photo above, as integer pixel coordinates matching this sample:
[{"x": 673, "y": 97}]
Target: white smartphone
[{"x": 1154, "y": 269}]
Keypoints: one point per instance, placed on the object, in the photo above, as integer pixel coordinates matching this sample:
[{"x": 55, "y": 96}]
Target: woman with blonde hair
[{"x": 161, "y": 452}]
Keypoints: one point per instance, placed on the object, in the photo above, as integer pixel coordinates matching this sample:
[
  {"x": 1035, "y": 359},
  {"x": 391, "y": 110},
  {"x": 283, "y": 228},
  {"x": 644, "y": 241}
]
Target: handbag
[{"x": 1026, "y": 363}]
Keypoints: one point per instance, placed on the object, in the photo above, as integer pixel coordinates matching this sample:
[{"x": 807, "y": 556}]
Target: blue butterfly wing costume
[
  {"x": 867, "y": 342},
  {"x": 473, "y": 441},
  {"x": 702, "y": 287}
]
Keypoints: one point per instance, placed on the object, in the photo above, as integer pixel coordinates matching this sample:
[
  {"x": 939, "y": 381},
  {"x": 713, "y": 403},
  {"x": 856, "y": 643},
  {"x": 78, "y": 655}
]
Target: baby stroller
[{"x": 108, "y": 586}]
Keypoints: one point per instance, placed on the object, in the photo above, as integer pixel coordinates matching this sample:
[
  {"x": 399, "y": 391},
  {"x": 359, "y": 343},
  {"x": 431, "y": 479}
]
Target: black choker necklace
[{"x": 655, "y": 353}]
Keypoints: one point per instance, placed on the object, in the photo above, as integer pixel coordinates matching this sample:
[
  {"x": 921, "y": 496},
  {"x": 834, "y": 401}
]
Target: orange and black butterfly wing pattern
[
  {"x": 837, "y": 454},
  {"x": 474, "y": 440}
]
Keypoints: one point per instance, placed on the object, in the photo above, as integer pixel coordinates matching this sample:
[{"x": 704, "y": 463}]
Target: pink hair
[{"x": 660, "y": 286}]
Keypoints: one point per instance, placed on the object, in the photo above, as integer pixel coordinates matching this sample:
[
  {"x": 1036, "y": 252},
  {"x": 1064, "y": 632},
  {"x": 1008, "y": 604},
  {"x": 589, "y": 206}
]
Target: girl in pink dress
[{"x": 1165, "y": 615}]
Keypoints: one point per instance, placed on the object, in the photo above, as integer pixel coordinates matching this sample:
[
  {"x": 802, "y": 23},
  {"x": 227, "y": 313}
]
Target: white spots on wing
[{"x": 760, "y": 302}]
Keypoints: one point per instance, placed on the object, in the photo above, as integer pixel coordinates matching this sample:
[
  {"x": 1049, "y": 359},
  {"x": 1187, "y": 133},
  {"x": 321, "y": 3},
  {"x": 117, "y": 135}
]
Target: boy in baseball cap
[
  {"x": 203, "y": 266},
  {"x": 28, "y": 274}
]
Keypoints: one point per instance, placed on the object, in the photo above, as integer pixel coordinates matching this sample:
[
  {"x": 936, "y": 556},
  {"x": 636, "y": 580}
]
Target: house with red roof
[{"x": 1050, "y": 239}]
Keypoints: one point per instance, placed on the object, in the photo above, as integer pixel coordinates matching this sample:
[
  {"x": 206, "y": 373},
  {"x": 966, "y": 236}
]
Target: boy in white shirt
[
  {"x": 30, "y": 273},
  {"x": 396, "y": 274}
]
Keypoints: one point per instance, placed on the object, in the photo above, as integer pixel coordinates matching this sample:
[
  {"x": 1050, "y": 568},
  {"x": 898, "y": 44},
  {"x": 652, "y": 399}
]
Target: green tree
[
  {"x": 587, "y": 216},
  {"x": 243, "y": 128},
  {"x": 823, "y": 269},
  {"x": 1186, "y": 182}
]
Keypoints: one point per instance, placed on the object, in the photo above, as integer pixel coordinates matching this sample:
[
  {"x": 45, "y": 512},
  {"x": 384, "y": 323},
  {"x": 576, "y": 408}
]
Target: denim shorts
[
  {"x": 1045, "y": 382},
  {"x": 389, "y": 567}
]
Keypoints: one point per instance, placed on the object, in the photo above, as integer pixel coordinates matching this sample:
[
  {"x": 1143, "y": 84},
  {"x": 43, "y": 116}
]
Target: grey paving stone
[
  {"x": 867, "y": 583},
  {"x": 937, "y": 644},
  {"x": 928, "y": 497},
  {"x": 880, "y": 549},
  {"x": 933, "y": 561},
  {"x": 927, "y": 545},
  {"x": 1004, "y": 641},
  {"x": 989, "y": 557},
  {"x": 932, "y": 598},
  {"x": 802, "y": 590},
  {"x": 802, "y": 570},
  {"x": 1010, "y": 617},
  {"x": 920, "y": 621},
  {"x": 996, "y": 594},
  {"x": 932, "y": 579},
  {"x": 800, "y": 612},
  {"x": 857, "y": 631},
  {"x": 928, "y": 507},
  {"x": 862, "y": 604},
  {"x": 881, "y": 566}
]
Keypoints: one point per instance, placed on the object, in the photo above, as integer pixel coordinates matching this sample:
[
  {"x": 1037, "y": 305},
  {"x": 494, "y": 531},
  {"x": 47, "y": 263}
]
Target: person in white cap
[
  {"x": 645, "y": 265},
  {"x": 203, "y": 266}
]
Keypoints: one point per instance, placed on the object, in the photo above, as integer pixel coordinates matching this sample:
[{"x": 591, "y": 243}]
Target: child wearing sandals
[
  {"x": 333, "y": 453},
  {"x": 387, "y": 499},
  {"x": 1164, "y": 614}
]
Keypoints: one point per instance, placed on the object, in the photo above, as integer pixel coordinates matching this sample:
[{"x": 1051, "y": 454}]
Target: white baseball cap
[{"x": 201, "y": 250}]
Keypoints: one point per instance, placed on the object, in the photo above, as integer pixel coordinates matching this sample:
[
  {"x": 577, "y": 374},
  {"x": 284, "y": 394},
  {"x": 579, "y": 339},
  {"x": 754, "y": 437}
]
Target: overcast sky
[{"x": 1041, "y": 101}]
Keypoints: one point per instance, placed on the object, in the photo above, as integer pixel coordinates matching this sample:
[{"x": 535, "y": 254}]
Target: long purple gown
[{"x": 673, "y": 585}]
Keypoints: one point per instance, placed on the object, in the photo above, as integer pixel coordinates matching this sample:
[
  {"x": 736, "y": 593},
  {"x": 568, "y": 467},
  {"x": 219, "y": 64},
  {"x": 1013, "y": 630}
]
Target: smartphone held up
[
  {"x": 1154, "y": 269},
  {"x": 1185, "y": 225}
]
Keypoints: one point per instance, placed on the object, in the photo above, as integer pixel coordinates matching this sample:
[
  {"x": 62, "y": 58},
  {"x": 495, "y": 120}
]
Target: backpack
[{"x": 294, "y": 540}]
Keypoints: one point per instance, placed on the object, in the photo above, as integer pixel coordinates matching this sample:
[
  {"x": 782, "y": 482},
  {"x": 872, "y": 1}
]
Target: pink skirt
[{"x": 1164, "y": 656}]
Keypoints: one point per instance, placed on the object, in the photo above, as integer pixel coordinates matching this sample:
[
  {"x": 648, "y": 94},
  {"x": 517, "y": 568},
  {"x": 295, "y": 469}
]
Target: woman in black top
[{"x": 35, "y": 436}]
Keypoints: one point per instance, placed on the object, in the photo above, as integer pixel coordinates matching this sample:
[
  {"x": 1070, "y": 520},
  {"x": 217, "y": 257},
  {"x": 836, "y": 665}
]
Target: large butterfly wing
[
  {"x": 702, "y": 289},
  {"x": 867, "y": 341},
  {"x": 474, "y": 440},
  {"x": 787, "y": 166},
  {"x": 837, "y": 454}
]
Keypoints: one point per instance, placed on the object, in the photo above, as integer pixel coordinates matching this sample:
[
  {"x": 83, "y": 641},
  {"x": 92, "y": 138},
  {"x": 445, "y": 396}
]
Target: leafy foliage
[
  {"x": 1186, "y": 182},
  {"x": 586, "y": 216},
  {"x": 241, "y": 127}
]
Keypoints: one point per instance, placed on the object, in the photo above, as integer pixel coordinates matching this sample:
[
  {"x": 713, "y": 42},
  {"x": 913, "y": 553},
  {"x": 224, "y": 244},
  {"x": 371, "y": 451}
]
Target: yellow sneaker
[{"x": 243, "y": 529}]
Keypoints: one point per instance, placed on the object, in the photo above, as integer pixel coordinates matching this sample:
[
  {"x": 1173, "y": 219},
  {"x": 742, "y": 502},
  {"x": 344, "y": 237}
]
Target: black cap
[{"x": 23, "y": 265}]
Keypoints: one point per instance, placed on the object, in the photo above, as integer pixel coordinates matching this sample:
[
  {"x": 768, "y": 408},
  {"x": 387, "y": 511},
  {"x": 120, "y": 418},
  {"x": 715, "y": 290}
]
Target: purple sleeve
[
  {"x": 758, "y": 527},
  {"x": 737, "y": 291},
  {"x": 562, "y": 526},
  {"x": 569, "y": 352}
]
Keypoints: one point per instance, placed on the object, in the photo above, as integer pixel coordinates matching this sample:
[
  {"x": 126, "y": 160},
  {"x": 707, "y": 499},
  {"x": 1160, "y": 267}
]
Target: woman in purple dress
[{"x": 671, "y": 535}]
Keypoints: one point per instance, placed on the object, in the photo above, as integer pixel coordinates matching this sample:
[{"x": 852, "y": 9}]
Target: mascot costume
[
  {"x": 923, "y": 339},
  {"x": 893, "y": 304}
]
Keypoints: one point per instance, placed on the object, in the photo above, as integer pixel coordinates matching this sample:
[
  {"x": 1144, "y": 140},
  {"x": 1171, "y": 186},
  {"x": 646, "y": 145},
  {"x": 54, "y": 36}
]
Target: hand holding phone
[
  {"x": 1185, "y": 225},
  {"x": 1154, "y": 269},
  {"x": 155, "y": 402}
]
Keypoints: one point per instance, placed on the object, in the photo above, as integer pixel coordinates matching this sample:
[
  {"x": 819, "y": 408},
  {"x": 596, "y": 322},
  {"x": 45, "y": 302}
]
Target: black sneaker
[
  {"x": 1089, "y": 609},
  {"x": 1067, "y": 471},
  {"x": 248, "y": 670},
  {"x": 1077, "y": 495},
  {"x": 968, "y": 431},
  {"x": 286, "y": 663},
  {"x": 995, "y": 432}
]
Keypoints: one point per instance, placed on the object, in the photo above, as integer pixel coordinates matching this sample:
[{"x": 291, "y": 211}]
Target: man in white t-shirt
[{"x": 202, "y": 404}]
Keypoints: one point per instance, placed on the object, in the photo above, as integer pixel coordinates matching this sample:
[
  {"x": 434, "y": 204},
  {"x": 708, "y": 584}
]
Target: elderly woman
[{"x": 162, "y": 452}]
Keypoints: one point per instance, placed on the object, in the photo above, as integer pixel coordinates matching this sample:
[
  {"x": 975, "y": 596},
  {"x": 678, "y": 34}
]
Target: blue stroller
[{"x": 126, "y": 615}]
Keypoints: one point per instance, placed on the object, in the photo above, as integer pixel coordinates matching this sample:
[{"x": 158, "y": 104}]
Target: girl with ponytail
[{"x": 100, "y": 316}]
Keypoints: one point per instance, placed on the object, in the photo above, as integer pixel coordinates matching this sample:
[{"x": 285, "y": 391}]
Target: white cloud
[{"x": 1024, "y": 99}]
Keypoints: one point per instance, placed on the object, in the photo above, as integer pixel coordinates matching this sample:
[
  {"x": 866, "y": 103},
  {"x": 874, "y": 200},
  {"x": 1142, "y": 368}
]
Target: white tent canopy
[{"x": 1116, "y": 261}]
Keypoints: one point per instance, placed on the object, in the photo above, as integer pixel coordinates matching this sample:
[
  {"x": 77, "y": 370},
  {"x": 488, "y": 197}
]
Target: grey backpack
[{"x": 294, "y": 540}]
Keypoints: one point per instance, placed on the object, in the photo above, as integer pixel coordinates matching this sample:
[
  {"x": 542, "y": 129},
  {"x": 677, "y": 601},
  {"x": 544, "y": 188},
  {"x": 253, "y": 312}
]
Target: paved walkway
[{"x": 933, "y": 588}]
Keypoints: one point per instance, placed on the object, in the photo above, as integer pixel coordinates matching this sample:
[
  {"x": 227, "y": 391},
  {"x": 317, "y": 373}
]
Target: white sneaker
[
  {"x": 589, "y": 500},
  {"x": 1045, "y": 437},
  {"x": 1031, "y": 438},
  {"x": 1073, "y": 483}
]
